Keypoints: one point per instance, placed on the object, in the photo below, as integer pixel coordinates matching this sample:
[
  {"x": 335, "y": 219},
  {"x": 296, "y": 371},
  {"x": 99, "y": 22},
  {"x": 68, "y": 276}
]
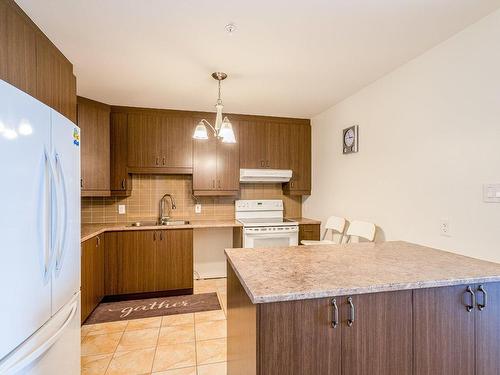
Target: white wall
[{"x": 429, "y": 139}]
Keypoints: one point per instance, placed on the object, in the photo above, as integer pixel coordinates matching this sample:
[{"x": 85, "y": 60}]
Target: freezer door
[
  {"x": 66, "y": 158},
  {"x": 24, "y": 216},
  {"x": 54, "y": 349}
]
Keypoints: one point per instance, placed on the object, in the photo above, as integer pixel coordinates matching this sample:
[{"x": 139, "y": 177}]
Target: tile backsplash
[{"x": 148, "y": 189}]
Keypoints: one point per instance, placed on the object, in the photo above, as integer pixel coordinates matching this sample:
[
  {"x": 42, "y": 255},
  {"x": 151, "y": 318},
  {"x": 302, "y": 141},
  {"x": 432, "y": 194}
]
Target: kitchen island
[{"x": 387, "y": 308}]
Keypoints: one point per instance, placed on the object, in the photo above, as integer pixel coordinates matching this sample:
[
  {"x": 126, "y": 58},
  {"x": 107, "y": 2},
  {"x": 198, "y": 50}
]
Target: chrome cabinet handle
[
  {"x": 98, "y": 243},
  {"x": 154, "y": 236},
  {"x": 123, "y": 184},
  {"x": 213, "y": 184},
  {"x": 219, "y": 184},
  {"x": 262, "y": 164},
  {"x": 81, "y": 183},
  {"x": 163, "y": 161},
  {"x": 161, "y": 235},
  {"x": 335, "y": 319},
  {"x": 470, "y": 307},
  {"x": 157, "y": 160},
  {"x": 350, "y": 321},
  {"x": 267, "y": 163},
  {"x": 482, "y": 306}
]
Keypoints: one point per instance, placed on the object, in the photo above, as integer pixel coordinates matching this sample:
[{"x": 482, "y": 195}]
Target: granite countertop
[
  {"x": 91, "y": 230},
  {"x": 303, "y": 272}
]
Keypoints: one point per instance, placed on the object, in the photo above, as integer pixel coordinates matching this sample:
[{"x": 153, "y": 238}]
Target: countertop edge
[
  {"x": 243, "y": 284},
  {"x": 366, "y": 290},
  {"x": 123, "y": 228}
]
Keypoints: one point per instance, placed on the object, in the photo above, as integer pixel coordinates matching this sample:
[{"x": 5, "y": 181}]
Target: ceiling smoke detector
[{"x": 231, "y": 28}]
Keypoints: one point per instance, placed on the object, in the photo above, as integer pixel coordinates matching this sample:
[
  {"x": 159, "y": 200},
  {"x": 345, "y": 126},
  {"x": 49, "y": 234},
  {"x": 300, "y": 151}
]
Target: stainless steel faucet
[{"x": 164, "y": 218}]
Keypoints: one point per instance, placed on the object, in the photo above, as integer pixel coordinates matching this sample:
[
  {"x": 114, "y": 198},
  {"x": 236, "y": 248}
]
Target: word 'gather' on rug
[{"x": 151, "y": 307}]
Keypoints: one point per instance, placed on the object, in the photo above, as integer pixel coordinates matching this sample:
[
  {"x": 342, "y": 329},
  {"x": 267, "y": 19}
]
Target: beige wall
[
  {"x": 148, "y": 189},
  {"x": 429, "y": 139}
]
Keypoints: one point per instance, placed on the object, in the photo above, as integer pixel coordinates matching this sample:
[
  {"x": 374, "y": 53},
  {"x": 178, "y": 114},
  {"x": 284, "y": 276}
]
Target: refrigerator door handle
[
  {"x": 53, "y": 226},
  {"x": 64, "y": 227},
  {"x": 32, "y": 356}
]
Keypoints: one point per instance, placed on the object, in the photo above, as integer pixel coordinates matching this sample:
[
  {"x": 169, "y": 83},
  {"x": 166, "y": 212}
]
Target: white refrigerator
[{"x": 39, "y": 238}]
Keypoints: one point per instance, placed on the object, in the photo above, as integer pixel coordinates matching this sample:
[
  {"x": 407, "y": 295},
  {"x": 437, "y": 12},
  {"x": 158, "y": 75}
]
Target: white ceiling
[{"x": 288, "y": 57}]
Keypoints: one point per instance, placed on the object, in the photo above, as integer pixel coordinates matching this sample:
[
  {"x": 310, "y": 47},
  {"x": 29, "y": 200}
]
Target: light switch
[
  {"x": 121, "y": 209},
  {"x": 491, "y": 193}
]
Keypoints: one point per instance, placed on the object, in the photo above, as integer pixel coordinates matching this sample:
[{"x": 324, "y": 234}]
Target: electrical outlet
[
  {"x": 197, "y": 208},
  {"x": 445, "y": 227},
  {"x": 121, "y": 209}
]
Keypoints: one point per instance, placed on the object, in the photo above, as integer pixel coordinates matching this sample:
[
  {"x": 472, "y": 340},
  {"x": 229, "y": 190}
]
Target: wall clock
[{"x": 350, "y": 140}]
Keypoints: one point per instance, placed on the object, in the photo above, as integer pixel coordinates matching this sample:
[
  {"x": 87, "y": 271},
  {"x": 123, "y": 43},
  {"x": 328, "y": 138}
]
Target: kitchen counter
[
  {"x": 304, "y": 220},
  {"x": 298, "y": 273},
  {"x": 90, "y": 230}
]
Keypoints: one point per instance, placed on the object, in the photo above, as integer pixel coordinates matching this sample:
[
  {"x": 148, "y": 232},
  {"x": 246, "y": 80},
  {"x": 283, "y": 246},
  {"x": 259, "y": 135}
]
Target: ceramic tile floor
[{"x": 186, "y": 344}]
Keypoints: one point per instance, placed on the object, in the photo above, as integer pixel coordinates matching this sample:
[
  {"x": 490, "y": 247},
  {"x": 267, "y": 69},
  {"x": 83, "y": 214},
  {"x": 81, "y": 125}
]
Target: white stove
[{"x": 264, "y": 225}]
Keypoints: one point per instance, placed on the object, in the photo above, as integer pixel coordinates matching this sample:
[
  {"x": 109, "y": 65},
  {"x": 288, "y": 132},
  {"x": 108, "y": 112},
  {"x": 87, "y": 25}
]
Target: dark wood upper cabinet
[
  {"x": 120, "y": 179},
  {"x": 298, "y": 155},
  {"x": 380, "y": 339},
  {"x": 144, "y": 141},
  {"x": 17, "y": 49},
  {"x": 487, "y": 329},
  {"x": 159, "y": 143},
  {"x": 442, "y": 321},
  {"x": 92, "y": 274},
  {"x": 93, "y": 120},
  {"x": 285, "y": 144},
  {"x": 31, "y": 62},
  {"x": 253, "y": 144},
  {"x": 216, "y": 167}
]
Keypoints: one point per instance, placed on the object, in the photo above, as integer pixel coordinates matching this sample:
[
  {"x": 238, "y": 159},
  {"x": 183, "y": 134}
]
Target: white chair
[
  {"x": 361, "y": 229},
  {"x": 333, "y": 225}
]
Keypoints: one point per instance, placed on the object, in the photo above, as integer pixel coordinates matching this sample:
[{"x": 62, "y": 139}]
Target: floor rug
[{"x": 151, "y": 307}]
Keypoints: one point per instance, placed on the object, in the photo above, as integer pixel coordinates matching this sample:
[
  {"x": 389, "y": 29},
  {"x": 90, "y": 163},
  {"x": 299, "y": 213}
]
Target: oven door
[{"x": 262, "y": 239}]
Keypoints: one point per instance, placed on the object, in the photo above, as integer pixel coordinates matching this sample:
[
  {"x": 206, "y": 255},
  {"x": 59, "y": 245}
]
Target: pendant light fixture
[{"x": 222, "y": 128}]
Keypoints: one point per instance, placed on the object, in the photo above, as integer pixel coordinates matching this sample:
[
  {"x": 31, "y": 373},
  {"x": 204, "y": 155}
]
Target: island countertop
[{"x": 304, "y": 272}]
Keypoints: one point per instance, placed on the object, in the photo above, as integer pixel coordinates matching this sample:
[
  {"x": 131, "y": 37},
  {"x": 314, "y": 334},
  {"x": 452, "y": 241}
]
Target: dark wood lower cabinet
[
  {"x": 149, "y": 261},
  {"x": 436, "y": 331},
  {"x": 92, "y": 275},
  {"x": 310, "y": 232}
]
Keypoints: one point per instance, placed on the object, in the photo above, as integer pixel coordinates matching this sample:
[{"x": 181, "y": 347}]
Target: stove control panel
[
  {"x": 281, "y": 229},
  {"x": 259, "y": 205}
]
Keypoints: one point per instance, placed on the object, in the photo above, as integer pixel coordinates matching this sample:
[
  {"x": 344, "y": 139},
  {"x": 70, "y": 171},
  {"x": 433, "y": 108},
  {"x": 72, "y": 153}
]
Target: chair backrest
[
  {"x": 335, "y": 224},
  {"x": 361, "y": 229}
]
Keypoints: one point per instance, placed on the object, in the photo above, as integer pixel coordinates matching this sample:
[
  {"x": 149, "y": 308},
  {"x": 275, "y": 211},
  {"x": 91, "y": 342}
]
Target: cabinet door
[
  {"x": 297, "y": 338},
  {"x": 120, "y": 180},
  {"x": 174, "y": 260},
  {"x": 228, "y": 164},
  {"x": 144, "y": 141},
  {"x": 309, "y": 232},
  {"x": 443, "y": 332},
  {"x": 17, "y": 50},
  {"x": 130, "y": 259},
  {"x": 204, "y": 164},
  {"x": 278, "y": 149},
  {"x": 379, "y": 340},
  {"x": 93, "y": 120},
  {"x": 488, "y": 329},
  {"x": 253, "y": 144},
  {"x": 299, "y": 155},
  {"x": 177, "y": 145},
  {"x": 92, "y": 274}
]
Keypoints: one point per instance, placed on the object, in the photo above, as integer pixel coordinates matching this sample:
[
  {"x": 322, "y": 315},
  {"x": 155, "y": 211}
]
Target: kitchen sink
[{"x": 156, "y": 223}]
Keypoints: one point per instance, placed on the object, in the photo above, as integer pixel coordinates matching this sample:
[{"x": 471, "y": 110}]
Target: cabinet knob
[{"x": 350, "y": 321}]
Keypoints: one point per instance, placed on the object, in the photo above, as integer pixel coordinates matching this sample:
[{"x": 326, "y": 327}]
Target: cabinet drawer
[{"x": 309, "y": 232}]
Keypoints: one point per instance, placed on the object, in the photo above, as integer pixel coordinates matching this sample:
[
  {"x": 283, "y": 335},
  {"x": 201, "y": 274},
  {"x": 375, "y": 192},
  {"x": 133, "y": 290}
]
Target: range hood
[{"x": 265, "y": 175}]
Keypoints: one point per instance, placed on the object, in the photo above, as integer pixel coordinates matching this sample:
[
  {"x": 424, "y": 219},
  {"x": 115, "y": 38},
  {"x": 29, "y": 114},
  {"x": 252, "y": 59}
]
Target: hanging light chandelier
[{"x": 222, "y": 128}]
